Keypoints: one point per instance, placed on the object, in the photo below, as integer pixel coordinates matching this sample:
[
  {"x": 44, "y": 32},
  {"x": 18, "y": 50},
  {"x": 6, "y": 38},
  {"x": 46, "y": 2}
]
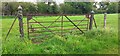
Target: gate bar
[
  {"x": 54, "y": 21},
  {"x": 10, "y": 27},
  {"x": 44, "y": 26},
  {"x": 74, "y": 24}
]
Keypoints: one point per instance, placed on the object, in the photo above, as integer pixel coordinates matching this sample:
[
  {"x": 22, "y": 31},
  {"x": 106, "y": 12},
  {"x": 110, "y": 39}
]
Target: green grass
[
  {"x": 96, "y": 41},
  {"x": 0, "y": 35}
]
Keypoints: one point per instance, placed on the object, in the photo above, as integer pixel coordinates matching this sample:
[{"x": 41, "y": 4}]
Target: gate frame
[{"x": 29, "y": 17}]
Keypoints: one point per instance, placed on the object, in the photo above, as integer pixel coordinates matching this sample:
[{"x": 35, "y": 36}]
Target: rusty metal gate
[{"x": 61, "y": 26}]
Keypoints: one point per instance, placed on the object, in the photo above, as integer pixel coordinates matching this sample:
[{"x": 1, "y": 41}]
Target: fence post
[
  {"x": 20, "y": 21},
  {"x": 28, "y": 17},
  {"x": 91, "y": 20},
  {"x": 62, "y": 26},
  {"x": 105, "y": 14}
]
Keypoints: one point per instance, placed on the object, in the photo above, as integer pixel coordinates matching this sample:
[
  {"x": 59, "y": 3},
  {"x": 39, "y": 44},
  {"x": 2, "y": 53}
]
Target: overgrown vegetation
[{"x": 96, "y": 41}]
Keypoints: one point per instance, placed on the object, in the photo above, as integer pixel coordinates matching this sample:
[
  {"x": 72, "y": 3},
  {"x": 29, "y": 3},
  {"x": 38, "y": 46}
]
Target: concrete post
[
  {"x": 91, "y": 20},
  {"x": 20, "y": 21},
  {"x": 105, "y": 14}
]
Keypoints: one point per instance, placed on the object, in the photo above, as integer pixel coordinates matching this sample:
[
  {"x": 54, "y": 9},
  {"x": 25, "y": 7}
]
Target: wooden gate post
[
  {"x": 28, "y": 18},
  {"x": 20, "y": 21},
  {"x": 91, "y": 20},
  {"x": 105, "y": 14},
  {"x": 62, "y": 26}
]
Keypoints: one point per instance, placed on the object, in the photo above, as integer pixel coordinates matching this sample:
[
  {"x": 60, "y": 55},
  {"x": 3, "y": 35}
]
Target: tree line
[{"x": 66, "y": 8}]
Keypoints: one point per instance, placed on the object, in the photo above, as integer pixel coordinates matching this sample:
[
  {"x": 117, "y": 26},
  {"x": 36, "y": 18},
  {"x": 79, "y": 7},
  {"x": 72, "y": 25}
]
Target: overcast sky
[{"x": 98, "y": 0}]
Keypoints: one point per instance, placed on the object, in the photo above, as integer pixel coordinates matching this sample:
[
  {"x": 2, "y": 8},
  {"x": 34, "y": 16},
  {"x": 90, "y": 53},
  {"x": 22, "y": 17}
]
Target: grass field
[
  {"x": 96, "y": 41},
  {"x": 0, "y": 35}
]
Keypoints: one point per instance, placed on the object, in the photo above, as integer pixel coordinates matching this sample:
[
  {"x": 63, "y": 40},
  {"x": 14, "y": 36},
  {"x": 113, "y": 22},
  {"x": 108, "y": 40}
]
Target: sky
[
  {"x": 98, "y": 0},
  {"x": 59, "y": 1}
]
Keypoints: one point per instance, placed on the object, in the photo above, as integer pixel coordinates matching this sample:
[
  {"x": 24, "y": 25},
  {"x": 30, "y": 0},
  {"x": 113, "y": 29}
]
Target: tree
[
  {"x": 119, "y": 7},
  {"x": 6, "y": 8},
  {"x": 42, "y": 7},
  {"x": 12, "y": 7},
  {"x": 66, "y": 9},
  {"x": 109, "y": 7},
  {"x": 113, "y": 7},
  {"x": 50, "y": 8},
  {"x": 77, "y": 7},
  {"x": 32, "y": 8},
  {"x": 100, "y": 7},
  {"x": 53, "y": 8}
]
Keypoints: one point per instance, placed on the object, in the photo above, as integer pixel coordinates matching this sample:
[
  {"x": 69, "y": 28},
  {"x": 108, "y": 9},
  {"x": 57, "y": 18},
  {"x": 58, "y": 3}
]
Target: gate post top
[
  {"x": 105, "y": 13},
  {"x": 19, "y": 11},
  {"x": 19, "y": 7},
  {"x": 92, "y": 12}
]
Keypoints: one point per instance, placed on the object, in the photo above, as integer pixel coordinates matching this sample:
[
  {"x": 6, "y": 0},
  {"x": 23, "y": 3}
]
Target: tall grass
[
  {"x": 90, "y": 42},
  {"x": 100, "y": 41}
]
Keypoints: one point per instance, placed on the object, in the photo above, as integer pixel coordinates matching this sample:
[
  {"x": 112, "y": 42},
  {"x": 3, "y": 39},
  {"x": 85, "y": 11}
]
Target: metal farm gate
[{"x": 61, "y": 26}]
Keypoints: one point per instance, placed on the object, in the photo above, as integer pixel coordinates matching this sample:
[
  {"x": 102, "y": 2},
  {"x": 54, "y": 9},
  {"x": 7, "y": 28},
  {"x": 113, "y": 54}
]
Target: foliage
[
  {"x": 76, "y": 7},
  {"x": 45, "y": 8},
  {"x": 27, "y": 7},
  {"x": 32, "y": 8},
  {"x": 67, "y": 7},
  {"x": 109, "y": 7},
  {"x": 113, "y": 7},
  {"x": 42, "y": 8}
]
